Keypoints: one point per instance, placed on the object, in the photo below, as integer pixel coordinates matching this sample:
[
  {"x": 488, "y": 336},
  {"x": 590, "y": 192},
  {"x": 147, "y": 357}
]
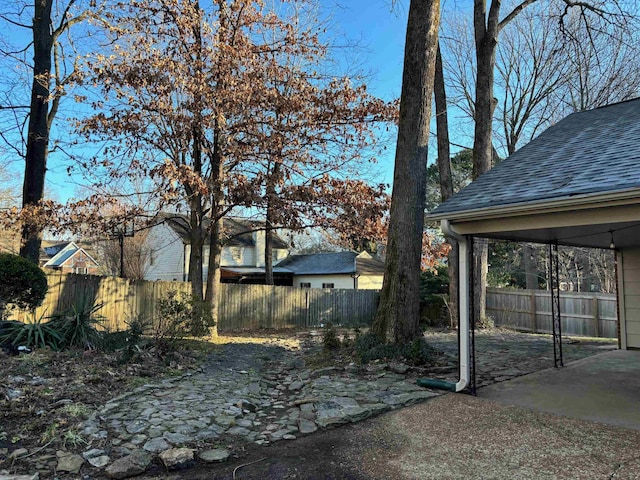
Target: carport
[{"x": 577, "y": 184}]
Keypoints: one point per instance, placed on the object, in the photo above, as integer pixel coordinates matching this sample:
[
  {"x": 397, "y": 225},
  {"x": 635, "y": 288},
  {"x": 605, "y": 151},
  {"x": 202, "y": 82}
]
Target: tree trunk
[
  {"x": 268, "y": 254},
  {"x": 398, "y": 315},
  {"x": 269, "y": 221},
  {"x": 446, "y": 180},
  {"x": 486, "y": 40},
  {"x": 196, "y": 242},
  {"x": 212, "y": 297},
  {"x": 38, "y": 129},
  {"x": 530, "y": 267}
]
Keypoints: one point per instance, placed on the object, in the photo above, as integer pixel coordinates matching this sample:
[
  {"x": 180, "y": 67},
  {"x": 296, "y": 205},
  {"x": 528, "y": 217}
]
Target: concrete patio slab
[{"x": 603, "y": 388}]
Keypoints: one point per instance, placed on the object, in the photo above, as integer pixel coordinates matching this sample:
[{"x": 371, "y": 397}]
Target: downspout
[{"x": 464, "y": 356}]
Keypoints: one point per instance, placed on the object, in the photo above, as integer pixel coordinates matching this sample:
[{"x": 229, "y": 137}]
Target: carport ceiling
[{"x": 625, "y": 235}]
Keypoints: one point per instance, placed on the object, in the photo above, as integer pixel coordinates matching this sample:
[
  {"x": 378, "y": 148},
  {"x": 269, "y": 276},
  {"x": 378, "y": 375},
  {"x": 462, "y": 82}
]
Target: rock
[
  {"x": 94, "y": 452},
  {"x": 214, "y": 455},
  {"x": 156, "y": 445},
  {"x": 323, "y": 371},
  {"x": 297, "y": 385},
  {"x": 399, "y": 368},
  {"x": 69, "y": 462},
  {"x": 136, "y": 426},
  {"x": 239, "y": 431},
  {"x": 176, "y": 438},
  {"x": 13, "y": 393},
  {"x": 247, "y": 405},
  {"x": 176, "y": 457},
  {"x": 306, "y": 426},
  {"x": 99, "y": 462},
  {"x": 34, "y": 476},
  {"x": 129, "y": 466},
  {"x": 355, "y": 414}
]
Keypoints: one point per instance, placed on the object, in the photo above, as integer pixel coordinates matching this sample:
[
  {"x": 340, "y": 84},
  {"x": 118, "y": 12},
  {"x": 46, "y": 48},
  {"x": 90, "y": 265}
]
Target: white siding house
[
  {"x": 347, "y": 270},
  {"x": 242, "y": 252}
]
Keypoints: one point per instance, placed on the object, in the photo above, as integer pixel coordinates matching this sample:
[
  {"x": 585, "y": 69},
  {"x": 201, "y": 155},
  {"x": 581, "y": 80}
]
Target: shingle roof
[
  {"x": 320, "y": 263},
  {"x": 591, "y": 152},
  {"x": 332, "y": 263}
]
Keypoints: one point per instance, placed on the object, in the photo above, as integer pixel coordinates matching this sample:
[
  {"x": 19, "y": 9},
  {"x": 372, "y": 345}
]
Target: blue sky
[{"x": 376, "y": 28}]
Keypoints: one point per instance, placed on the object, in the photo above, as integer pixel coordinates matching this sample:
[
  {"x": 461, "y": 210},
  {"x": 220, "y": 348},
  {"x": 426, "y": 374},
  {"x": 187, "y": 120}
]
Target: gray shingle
[
  {"x": 320, "y": 263},
  {"x": 592, "y": 152}
]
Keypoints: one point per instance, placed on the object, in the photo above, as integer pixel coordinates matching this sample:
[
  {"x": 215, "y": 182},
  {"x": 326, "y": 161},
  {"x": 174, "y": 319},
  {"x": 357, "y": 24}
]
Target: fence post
[
  {"x": 532, "y": 309},
  {"x": 596, "y": 316}
]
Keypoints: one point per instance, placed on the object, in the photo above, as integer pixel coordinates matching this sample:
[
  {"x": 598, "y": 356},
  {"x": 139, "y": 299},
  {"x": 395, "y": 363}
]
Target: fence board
[
  {"x": 585, "y": 314},
  {"x": 241, "y": 306}
]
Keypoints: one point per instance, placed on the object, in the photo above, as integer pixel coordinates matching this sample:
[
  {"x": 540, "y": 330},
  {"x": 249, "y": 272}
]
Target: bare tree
[
  {"x": 48, "y": 21},
  {"x": 136, "y": 255},
  {"x": 398, "y": 314}
]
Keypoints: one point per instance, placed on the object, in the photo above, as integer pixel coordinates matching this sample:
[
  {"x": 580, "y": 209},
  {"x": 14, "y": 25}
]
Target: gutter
[
  {"x": 574, "y": 202},
  {"x": 464, "y": 357}
]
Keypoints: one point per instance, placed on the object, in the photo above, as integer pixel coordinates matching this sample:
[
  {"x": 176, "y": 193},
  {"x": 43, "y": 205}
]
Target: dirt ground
[{"x": 455, "y": 436}]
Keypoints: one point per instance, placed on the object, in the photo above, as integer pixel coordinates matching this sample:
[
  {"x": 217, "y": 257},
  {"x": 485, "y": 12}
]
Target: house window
[
  {"x": 81, "y": 270},
  {"x": 236, "y": 253},
  {"x": 305, "y": 285},
  {"x": 327, "y": 285}
]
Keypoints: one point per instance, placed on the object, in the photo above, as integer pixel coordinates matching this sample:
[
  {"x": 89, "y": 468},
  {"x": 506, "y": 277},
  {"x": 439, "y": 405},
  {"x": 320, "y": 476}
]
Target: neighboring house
[
  {"x": 576, "y": 184},
  {"x": 335, "y": 270},
  {"x": 67, "y": 257},
  {"x": 243, "y": 258}
]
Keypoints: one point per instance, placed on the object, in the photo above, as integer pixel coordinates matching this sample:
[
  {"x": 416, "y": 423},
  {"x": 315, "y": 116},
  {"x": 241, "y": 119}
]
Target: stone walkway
[{"x": 244, "y": 393}]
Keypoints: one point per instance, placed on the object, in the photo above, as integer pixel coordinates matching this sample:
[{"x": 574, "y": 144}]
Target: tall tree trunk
[
  {"x": 268, "y": 253},
  {"x": 196, "y": 242},
  {"x": 269, "y": 222},
  {"x": 212, "y": 297},
  {"x": 398, "y": 315},
  {"x": 38, "y": 129},
  {"x": 446, "y": 180},
  {"x": 486, "y": 28}
]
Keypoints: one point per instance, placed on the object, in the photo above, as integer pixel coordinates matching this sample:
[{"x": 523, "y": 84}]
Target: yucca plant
[
  {"x": 77, "y": 326},
  {"x": 37, "y": 334}
]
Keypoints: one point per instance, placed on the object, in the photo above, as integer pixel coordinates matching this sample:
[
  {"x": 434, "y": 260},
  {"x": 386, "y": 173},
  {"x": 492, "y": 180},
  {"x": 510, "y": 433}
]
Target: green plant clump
[
  {"x": 37, "y": 334},
  {"x": 22, "y": 283},
  {"x": 75, "y": 327},
  {"x": 78, "y": 325},
  {"x": 330, "y": 340}
]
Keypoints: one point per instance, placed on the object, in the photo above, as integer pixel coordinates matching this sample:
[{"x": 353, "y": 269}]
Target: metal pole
[{"x": 121, "y": 242}]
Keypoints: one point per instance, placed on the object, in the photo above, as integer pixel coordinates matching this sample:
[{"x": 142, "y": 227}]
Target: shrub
[
  {"x": 330, "y": 340},
  {"x": 179, "y": 316},
  {"x": 22, "y": 283}
]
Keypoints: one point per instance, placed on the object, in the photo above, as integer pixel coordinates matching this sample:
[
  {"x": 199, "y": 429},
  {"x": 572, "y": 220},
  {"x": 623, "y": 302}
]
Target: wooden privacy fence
[
  {"x": 585, "y": 314},
  {"x": 241, "y": 306}
]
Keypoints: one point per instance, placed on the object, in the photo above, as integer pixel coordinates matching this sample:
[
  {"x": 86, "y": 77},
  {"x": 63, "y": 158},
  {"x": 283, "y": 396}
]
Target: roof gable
[
  {"x": 591, "y": 152},
  {"x": 70, "y": 250}
]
